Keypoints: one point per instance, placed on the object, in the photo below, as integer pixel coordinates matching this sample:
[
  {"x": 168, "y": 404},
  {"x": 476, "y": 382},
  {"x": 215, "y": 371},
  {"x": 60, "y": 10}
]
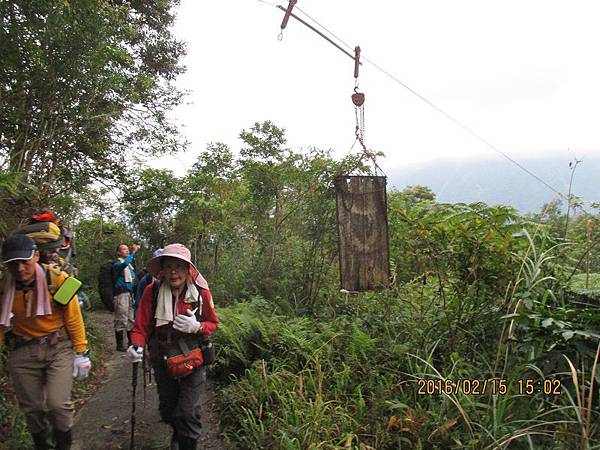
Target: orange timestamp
[{"x": 492, "y": 386}]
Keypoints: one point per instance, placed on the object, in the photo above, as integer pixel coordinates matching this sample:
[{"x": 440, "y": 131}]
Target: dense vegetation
[{"x": 478, "y": 292}]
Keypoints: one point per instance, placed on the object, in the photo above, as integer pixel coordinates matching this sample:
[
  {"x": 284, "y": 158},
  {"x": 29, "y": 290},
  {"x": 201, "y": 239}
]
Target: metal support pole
[{"x": 312, "y": 28}]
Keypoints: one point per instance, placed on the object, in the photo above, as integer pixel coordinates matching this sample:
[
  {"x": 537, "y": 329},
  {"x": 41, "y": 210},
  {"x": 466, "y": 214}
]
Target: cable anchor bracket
[
  {"x": 286, "y": 17},
  {"x": 358, "y": 98}
]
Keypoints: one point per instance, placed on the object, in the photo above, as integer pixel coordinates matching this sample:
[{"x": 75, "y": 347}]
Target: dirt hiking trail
[{"x": 104, "y": 421}]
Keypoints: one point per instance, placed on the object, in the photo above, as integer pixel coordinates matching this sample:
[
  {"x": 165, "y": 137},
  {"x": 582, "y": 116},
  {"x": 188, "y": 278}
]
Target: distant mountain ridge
[{"x": 497, "y": 181}]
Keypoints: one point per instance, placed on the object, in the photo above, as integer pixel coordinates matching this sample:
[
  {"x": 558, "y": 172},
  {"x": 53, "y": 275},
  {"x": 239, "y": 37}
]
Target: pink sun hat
[{"x": 181, "y": 252}]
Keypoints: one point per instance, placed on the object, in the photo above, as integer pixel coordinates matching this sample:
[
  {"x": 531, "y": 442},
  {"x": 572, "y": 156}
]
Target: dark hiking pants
[{"x": 179, "y": 400}]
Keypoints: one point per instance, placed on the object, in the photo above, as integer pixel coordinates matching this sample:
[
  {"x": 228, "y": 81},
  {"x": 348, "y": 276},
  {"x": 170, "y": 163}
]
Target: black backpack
[
  {"x": 106, "y": 285},
  {"x": 138, "y": 278}
]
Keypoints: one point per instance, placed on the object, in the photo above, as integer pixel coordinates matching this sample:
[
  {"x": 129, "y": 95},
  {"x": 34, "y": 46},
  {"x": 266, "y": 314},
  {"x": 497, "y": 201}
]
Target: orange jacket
[{"x": 68, "y": 316}]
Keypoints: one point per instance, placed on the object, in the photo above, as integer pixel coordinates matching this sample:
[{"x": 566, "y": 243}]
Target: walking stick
[
  {"x": 147, "y": 371},
  {"x": 133, "y": 386},
  {"x": 149, "y": 368},
  {"x": 144, "y": 367},
  {"x": 150, "y": 373}
]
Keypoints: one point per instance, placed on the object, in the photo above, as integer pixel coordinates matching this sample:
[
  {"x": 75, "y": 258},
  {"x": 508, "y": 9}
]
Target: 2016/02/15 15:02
[{"x": 494, "y": 386}]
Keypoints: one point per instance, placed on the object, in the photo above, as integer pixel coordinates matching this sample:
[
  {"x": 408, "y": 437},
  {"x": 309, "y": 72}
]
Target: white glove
[
  {"x": 81, "y": 366},
  {"x": 135, "y": 354},
  {"x": 187, "y": 323}
]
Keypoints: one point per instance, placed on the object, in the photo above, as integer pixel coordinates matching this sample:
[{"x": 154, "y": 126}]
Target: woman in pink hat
[{"x": 175, "y": 314}]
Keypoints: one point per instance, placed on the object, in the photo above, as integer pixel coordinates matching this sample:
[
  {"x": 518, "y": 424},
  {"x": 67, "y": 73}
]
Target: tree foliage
[
  {"x": 259, "y": 223},
  {"x": 81, "y": 85},
  {"x": 151, "y": 198}
]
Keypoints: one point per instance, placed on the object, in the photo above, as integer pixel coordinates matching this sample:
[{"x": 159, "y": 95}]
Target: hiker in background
[
  {"x": 123, "y": 275},
  {"x": 175, "y": 314},
  {"x": 144, "y": 280},
  {"x": 67, "y": 251},
  {"x": 43, "y": 336}
]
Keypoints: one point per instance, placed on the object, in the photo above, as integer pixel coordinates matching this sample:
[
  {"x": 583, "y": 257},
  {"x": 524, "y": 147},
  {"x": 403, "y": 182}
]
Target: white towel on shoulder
[
  {"x": 127, "y": 272},
  {"x": 42, "y": 307},
  {"x": 165, "y": 306}
]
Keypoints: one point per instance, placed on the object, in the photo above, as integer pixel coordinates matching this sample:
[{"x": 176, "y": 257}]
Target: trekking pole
[
  {"x": 149, "y": 370},
  {"x": 147, "y": 367},
  {"x": 133, "y": 386},
  {"x": 144, "y": 368}
]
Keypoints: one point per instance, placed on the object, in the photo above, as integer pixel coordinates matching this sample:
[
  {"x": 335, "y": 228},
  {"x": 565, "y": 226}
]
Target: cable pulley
[{"x": 358, "y": 98}]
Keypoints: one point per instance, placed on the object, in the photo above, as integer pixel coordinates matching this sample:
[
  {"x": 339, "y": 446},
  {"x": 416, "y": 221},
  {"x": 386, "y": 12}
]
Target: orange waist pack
[{"x": 181, "y": 360}]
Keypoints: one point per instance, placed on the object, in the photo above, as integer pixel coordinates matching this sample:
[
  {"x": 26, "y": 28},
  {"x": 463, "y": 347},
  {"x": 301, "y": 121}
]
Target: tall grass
[{"x": 347, "y": 376}]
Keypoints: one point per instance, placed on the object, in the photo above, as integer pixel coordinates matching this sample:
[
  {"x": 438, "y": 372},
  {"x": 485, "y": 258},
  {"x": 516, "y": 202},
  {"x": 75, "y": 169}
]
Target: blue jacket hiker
[{"x": 123, "y": 275}]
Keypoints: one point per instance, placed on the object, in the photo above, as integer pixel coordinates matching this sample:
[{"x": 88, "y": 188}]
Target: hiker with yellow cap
[{"x": 46, "y": 341}]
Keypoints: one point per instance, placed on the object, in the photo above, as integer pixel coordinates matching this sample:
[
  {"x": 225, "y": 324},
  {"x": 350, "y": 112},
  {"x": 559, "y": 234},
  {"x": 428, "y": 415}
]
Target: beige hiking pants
[
  {"x": 42, "y": 375},
  {"x": 123, "y": 311}
]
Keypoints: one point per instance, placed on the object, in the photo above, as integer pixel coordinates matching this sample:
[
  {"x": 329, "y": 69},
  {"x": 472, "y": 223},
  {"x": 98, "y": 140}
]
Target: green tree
[
  {"x": 266, "y": 166},
  {"x": 212, "y": 222},
  {"x": 81, "y": 85},
  {"x": 417, "y": 193},
  {"x": 151, "y": 199},
  {"x": 97, "y": 242}
]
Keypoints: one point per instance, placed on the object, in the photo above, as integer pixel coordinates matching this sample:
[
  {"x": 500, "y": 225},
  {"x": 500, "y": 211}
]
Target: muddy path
[{"x": 104, "y": 421}]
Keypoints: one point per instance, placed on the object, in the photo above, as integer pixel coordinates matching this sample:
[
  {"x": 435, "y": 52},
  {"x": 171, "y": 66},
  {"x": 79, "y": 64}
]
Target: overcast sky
[{"x": 524, "y": 75}]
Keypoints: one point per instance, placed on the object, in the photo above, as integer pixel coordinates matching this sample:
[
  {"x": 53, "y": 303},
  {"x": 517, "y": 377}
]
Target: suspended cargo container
[{"x": 361, "y": 203}]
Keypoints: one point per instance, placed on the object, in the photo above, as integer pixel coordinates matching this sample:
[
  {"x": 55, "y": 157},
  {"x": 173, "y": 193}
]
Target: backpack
[
  {"x": 52, "y": 273},
  {"x": 106, "y": 284},
  {"x": 46, "y": 235},
  {"x": 138, "y": 278}
]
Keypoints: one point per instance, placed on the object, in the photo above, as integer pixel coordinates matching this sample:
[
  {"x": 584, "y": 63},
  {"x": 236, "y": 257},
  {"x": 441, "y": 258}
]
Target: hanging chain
[
  {"x": 362, "y": 124},
  {"x": 358, "y": 98},
  {"x": 359, "y": 113},
  {"x": 359, "y": 129}
]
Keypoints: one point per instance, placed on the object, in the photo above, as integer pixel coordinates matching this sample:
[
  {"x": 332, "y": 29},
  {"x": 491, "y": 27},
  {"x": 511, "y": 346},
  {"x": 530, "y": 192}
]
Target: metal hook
[{"x": 280, "y": 36}]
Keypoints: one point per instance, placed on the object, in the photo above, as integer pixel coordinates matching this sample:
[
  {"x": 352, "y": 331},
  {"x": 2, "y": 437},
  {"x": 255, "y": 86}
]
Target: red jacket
[{"x": 145, "y": 317}]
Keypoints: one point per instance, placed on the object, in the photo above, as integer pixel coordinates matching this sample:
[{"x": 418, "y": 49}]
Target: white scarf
[
  {"x": 127, "y": 272},
  {"x": 43, "y": 307},
  {"x": 164, "y": 306}
]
